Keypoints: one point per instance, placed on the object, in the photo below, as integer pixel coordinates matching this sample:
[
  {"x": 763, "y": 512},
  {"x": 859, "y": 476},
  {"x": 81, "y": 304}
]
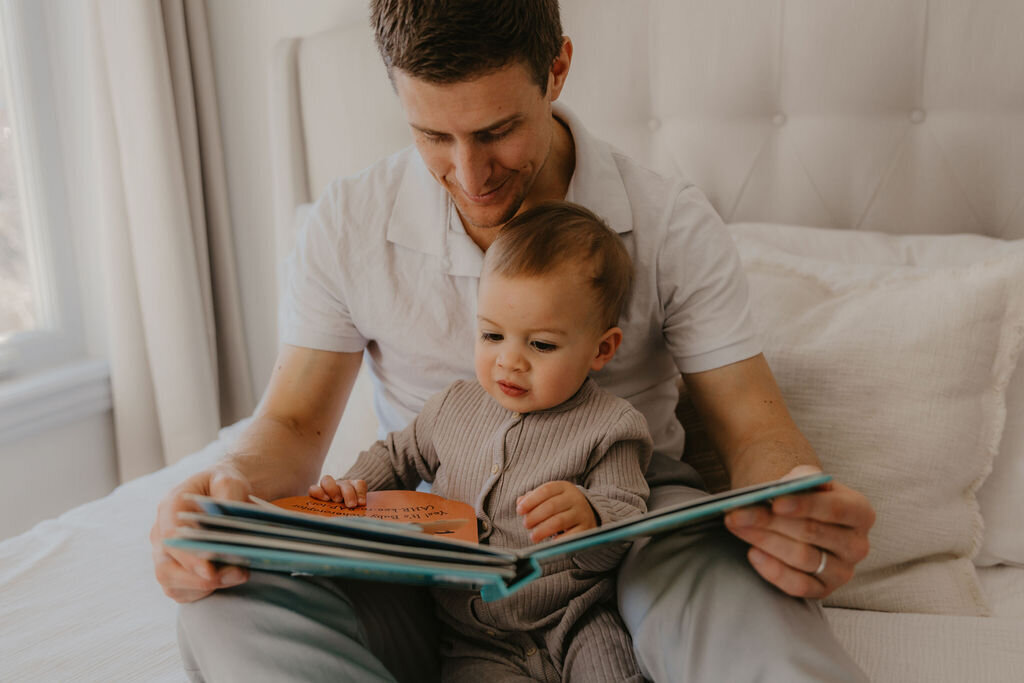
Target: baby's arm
[
  {"x": 613, "y": 488},
  {"x": 399, "y": 461},
  {"x": 352, "y": 492}
]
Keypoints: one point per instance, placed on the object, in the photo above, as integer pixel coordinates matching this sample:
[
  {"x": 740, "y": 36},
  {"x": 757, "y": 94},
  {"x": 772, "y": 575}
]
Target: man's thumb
[{"x": 229, "y": 487}]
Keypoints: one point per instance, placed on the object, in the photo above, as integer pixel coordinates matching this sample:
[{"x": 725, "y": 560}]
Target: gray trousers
[{"x": 696, "y": 610}]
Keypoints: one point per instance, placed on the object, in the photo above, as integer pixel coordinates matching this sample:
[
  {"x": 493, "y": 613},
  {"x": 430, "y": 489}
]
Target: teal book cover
[{"x": 424, "y": 544}]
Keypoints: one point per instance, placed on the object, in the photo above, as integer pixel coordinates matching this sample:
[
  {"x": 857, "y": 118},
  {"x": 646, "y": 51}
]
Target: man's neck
[{"x": 551, "y": 184}]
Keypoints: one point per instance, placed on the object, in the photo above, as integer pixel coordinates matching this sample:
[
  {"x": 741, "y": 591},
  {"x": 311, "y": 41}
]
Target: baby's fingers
[
  {"x": 354, "y": 492},
  {"x": 317, "y": 491},
  {"x": 330, "y": 487}
]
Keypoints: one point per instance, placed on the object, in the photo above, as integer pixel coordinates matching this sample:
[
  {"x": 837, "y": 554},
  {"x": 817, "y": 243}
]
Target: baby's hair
[{"x": 553, "y": 235}]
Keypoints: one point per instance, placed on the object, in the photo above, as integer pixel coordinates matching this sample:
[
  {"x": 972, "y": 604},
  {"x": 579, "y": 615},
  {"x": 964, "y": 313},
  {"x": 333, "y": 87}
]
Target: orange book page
[{"x": 436, "y": 515}]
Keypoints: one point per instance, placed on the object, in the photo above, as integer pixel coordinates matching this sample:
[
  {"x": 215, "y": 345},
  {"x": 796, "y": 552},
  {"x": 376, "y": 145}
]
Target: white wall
[
  {"x": 49, "y": 473},
  {"x": 243, "y": 33}
]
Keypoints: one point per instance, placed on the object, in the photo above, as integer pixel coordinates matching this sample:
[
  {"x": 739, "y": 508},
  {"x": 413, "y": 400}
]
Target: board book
[{"x": 422, "y": 538}]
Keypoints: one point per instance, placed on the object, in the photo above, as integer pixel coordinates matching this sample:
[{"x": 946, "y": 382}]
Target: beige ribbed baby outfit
[{"x": 563, "y": 625}]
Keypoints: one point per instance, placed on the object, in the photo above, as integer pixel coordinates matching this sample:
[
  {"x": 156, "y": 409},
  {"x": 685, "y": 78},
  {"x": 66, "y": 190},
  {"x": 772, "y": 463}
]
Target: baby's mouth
[{"x": 510, "y": 389}]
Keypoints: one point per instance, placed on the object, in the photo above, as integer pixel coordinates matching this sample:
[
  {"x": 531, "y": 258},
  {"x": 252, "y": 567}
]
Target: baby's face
[{"x": 538, "y": 337}]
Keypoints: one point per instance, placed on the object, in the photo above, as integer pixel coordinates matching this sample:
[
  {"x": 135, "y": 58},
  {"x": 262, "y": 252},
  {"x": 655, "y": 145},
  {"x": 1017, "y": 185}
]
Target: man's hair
[
  {"x": 448, "y": 41},
  {"x": 554, "y": 235}
]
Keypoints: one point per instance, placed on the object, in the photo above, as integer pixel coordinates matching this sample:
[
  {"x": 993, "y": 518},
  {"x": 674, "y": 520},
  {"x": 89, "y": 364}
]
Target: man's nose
[{"x": 472, "y": 168}]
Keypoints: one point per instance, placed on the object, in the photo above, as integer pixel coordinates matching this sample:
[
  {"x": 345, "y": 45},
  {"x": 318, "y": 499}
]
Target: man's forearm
[
  {"x": 276, "y": 458},
  {"x": 770, "y": 456}
]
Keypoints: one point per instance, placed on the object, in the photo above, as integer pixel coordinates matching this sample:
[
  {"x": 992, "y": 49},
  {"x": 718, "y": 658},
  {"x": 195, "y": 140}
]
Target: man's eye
[
  {"x": 435, "y": 139},
  {"x": 494, "y": 137},
  {"x": 491, "y": 337},
  {"x": 543, "y": 347}
]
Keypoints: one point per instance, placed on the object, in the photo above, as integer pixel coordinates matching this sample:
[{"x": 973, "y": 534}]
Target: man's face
[
  {"x": 484, "y": 140},
  {"x": 537, "y": 338}
]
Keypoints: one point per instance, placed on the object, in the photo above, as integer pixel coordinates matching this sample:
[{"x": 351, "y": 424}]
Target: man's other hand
[
  {"x": 183, "y": 576},
  {"x": 807, "y": 544}
]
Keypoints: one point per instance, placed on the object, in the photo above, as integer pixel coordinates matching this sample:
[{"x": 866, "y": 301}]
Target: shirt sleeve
[
  {"x": 315, "y": 312},
  {"x": 615, "y": 485},
  {"x": 404, "y": 458},
  {"x": 703, "y": 289}
]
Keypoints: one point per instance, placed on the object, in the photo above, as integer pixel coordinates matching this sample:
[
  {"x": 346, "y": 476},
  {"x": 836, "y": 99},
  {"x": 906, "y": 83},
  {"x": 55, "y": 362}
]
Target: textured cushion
[
  {"x": 900, "y": 116},
  {"x": 1002, "y": 495},
  {"x": 898, "y": 378}
]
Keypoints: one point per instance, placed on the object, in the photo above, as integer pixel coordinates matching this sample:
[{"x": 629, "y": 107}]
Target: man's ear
[
  {"x": 559, "y": 70},
  {"x": 606, "y": 348}
]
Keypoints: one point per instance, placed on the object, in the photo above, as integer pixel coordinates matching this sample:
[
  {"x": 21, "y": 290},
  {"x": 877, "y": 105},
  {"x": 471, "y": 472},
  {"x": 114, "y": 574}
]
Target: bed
[{"x": 869, "y": 160}]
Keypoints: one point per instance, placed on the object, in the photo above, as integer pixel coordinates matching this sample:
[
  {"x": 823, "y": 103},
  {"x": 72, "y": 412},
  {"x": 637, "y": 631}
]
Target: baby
[{"x": 537, "y": 447}]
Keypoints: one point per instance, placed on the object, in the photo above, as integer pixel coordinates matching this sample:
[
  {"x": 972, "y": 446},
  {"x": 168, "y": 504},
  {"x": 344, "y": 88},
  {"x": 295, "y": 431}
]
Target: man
[{"x": 389, "y": 263}]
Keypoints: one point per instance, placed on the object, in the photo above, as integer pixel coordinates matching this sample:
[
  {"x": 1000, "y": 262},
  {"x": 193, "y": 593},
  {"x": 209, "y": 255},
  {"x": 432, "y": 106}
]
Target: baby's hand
[
  {"x": 350, "y": 491},
  {"x": 554, "y": 508}
]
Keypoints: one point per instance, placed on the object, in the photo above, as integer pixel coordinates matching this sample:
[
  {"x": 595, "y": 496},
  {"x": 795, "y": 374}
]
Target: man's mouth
[
  {"x": 510, "y": 389},
  {"x": 486, "y": 197}
]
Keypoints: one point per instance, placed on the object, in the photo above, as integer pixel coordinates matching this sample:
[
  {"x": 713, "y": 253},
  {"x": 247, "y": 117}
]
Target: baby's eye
[
  {"x": 543, "y": 347},
  {"x": 491, "y": 337}
]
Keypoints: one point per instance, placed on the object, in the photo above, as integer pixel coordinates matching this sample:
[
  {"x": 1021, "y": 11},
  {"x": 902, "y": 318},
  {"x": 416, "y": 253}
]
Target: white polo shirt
[{"x": 384, "y": 265}]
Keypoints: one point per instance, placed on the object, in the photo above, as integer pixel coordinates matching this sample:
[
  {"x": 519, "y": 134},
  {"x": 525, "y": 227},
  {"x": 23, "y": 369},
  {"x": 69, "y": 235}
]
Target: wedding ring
[{"x": 821, "y": 565}]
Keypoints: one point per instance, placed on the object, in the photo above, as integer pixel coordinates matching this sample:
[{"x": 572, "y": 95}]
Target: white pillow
[
  {"x": 1002, "y": 495},
  {"x": 898, "y": 378}
]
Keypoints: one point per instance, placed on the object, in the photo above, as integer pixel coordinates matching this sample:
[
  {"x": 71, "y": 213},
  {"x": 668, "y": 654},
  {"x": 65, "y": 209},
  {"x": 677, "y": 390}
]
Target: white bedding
[{"x": 78, "y": 602}]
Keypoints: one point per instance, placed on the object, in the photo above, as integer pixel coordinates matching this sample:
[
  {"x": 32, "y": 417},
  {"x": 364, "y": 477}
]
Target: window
[
  {"x": 17, "y": 306},
  {"x": 40, "y": 323}
]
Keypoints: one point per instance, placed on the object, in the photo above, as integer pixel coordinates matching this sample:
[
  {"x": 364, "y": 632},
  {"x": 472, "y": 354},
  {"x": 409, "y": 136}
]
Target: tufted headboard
[{"x": 901, "y": 116}]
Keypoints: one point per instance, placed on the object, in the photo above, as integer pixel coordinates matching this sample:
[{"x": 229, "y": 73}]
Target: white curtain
[{"x": 179, "y": 366}]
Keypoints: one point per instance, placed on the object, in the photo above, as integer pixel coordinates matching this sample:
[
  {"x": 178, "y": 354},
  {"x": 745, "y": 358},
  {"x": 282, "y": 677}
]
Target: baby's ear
[{"x": 607, "y": 345}]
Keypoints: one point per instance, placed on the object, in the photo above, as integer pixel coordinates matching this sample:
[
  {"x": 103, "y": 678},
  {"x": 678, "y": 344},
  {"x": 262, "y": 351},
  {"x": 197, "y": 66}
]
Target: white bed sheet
[{"x": 78, "y": 601}]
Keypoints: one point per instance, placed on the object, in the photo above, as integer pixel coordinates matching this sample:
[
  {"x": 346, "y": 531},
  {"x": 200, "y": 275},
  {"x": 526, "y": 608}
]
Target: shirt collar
[
  {"x": 596, "y": 183},
  {"x": 424, "y": 217}
]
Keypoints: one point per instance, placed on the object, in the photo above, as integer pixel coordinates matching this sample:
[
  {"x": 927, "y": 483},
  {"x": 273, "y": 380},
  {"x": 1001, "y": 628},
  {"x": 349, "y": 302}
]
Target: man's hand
[
  {"x": 553, "y": 508},
  {"x": 183, "y": 576},
  {"x": 352, "y": 492},
  {"x": 787, "y": 540}
]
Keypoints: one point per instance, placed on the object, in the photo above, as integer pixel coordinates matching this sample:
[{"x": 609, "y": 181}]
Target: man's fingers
[
  {"x": 851, "y": 545},
  {"x": 790, "y": 581},
  {"x": 229, "y": 487},
  {"x": 186, "y": 584},
  {"x": 839, "y": 505}
]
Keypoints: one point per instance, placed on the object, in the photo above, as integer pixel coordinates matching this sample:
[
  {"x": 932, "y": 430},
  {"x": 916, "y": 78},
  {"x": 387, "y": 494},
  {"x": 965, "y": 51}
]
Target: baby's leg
[
  {"x": 488, "y": 656},
  {"x": 599, "y": 649}
]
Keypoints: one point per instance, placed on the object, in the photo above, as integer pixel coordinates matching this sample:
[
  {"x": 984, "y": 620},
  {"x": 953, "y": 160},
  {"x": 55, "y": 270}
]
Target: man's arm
[
  {"x": 751, "y": 428},
  {"x": 279, "y": 454}
]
